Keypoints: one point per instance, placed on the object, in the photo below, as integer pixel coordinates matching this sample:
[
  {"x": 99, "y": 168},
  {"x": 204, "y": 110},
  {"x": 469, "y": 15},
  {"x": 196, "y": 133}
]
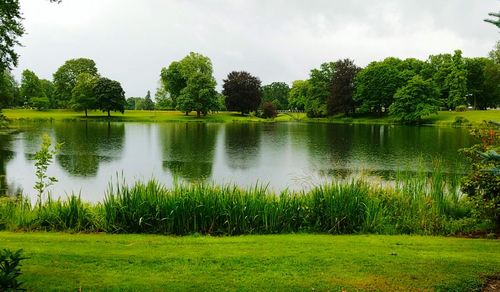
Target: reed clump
[{"x": 411, "y": 205}]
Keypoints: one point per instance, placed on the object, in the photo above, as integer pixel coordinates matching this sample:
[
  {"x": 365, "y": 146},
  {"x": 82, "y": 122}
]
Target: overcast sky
[{"x": 277, "y": 40}]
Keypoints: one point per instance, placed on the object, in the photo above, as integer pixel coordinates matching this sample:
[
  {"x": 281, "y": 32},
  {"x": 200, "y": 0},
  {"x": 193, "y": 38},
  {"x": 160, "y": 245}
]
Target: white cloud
[{"x": 277, "y": 40}]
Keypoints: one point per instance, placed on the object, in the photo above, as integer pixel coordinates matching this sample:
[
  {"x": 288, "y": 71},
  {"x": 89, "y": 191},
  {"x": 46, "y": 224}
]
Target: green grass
[
  {"x": 443, "y": 118},
  {"x": 248, "y": 263},
  {"x": 415, "y": 205}
]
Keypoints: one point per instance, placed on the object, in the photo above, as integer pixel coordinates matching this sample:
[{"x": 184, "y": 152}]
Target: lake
[{"x": 283, "y": 155}]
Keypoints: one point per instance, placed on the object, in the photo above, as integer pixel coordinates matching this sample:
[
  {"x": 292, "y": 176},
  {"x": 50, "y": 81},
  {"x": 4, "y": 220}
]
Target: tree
[
  {"x": 49, "y": 92},
  {"x": 319, "y": 90},
  {"x": 268, "y": 110},
  {"x": 342, "y": 88},
  {"x": 148, "y": 102},
  {"x": 190, "y": 84},
  {"x": 11, "y": 29},
  {"x": 376, "y": 85},
  {"x": 163, "y": 100},
  {"x": 491, "y": 85},
  {"x": 242, "y": 91},
  {"x": 456, "y": 81},
  {"x": 277, "y": 93},
  {"x": 31, "y": 87},
  {"x": 298, "y": 94},
  {"x": 109, "y": 95},
  {"x": 83, "y": 96},
  {"x": 495, "y": 53},
  {"x": 9, "y": 91},
  {"x": 65, "y": 78},
  {"x": 199, "y": 95},
  {"x": 419, "y": 98},
  {"x": 494, "y": 21}
]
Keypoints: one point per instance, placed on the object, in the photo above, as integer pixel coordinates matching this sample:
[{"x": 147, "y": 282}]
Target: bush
[
  {"x": 461, "y": 108},
  {"x": 482, "y": 184},
  {"x": 459, "y": 121},
  {"x": 10, "y": 263},
  {"x": 40, "y": 103},
  {"x": 269, "y": 110}
]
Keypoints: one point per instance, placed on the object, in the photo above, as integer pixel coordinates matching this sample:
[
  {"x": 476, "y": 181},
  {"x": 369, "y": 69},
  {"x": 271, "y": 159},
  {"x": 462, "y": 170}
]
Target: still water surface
[{"x": 283, "y": 155}]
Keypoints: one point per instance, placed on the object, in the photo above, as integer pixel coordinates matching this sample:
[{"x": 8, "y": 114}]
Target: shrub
[
  {"x": 10, "y": 263},
  {"x": 459, "y": 121},
  {"x": 40, "y": 103},
  {"x": 461, "y": 108},
  {"x": 269, "y": 110},
  {"x": 482, "y": 184}
]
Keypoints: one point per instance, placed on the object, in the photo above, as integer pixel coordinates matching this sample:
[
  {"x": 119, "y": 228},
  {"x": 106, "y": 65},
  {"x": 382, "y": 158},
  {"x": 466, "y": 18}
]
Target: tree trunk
[
  {"x": 86, "y": 113},
  {"x": 187, "y": 113},
  {"x": 109, "y": 114},
  {"x": 198, "y": 114}
]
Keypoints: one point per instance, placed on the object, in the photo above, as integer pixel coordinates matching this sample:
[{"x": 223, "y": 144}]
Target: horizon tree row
[{"x": 406, "y": 89}]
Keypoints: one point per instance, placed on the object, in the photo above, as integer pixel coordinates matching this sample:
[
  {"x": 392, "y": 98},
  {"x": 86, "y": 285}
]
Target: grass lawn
[
  {"x": 248, "y": 263},
  {"x": 443, "y": 118}
]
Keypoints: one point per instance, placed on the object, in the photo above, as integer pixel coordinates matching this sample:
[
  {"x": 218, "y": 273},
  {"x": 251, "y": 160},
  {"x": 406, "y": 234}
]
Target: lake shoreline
[{"x": 442, "y": 119}]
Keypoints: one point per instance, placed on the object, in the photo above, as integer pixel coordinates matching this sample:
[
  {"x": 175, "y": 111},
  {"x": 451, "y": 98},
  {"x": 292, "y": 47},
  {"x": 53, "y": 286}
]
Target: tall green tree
[
  {"x": 277, "y": 94},
  {"x": 456, "y": 82},
  {"x": 376, "y": 85},
  {"x": 298, "y": 94},
  {"x": 83, "y": 95},
  {"x": 243, "y": 92},
  {"x": 199, "y": 95},
  {"x": 66, "y": 76},
  {"x": 495, "y": 53},
  {"x": 49, "y": 92},
  {"x": 109, "y": 95},
  {"x": 31, "y": 87},
  {"x": 11, "y": 29},
  {"x": 319, "y": 89},
  {"x": 163, "y": 99},
  {"x": 417, "y": 99},
  {"x": 9, "y": 91},
  {"x": 190, "y": 84},
  {"x": 494, "y": 21},
  {"x": 341, "y": 99},
  {"x": 148, "y": 102}
]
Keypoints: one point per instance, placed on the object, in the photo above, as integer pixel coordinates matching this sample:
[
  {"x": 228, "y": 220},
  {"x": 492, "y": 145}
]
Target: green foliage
[
  {"x": 277, "y": 93},
  {"x": 298, "y": 94},
  {"x": 377, "y": 83},
  {"x": 10, "y": 269},
  {"x": 65, "y": 78},
  {"x": 269, "y": 110},
  {"x": 83, "y": 95},
  {"x": 319, "y": 90},
  {"x": 148, "y": 102},
  {"x": 482, "y": 184},
  {"x": 31, "y": 86},
  {"x": 242, "y": 91},
  {"x": 342, "y": 88},
  {"x": 496, "y": 21},
  {"x": 49, "y": 92},
  {"x": 11, "y": 29},
  {"x": 456, "y": 81},
  {"x": 39, "y": 103},
  {"x": 43, "y": 159},
  {"x": 163, "y": 100},
  {"x": 419, "y": 98},
  {"x": 494, "y": 54},
  {"x": 416, "y": 204},
  {"x": 109, "y": 95},
  {"x": 461, "y": 108},
  {"x": 190, "y": 84},
  {"x": 9, "y": 91}
]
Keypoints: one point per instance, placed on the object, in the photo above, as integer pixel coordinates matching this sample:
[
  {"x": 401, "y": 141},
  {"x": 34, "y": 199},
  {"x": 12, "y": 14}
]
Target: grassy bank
[
  {"x": 414, "y": 205},
  {"x": 248, "y": 263},
  {"x": 442, "y": 119}
]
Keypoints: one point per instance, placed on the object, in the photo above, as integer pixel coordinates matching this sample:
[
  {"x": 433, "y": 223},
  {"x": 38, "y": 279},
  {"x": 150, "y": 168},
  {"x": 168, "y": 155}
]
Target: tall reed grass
[{"x": 414, "y": 204}]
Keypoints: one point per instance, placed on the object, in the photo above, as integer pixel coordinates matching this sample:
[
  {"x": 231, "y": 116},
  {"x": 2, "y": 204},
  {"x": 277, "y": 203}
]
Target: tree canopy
[
  {"x": 11, "y": 30},
  {"x": 66, "y": 76},
  {"x": 415, "y": 100},
  {"x": 83, "y": 95},
  {"x": 341, "y": 99},
  {"x": 242, "y": 91},
  {"x": 298, "y": 94},
  {"x": 277, "y": 94},
  {"x": 109, "y": 95},
  {"x": 190, "y": 84},
  {"x": 319, "y": 90}
]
